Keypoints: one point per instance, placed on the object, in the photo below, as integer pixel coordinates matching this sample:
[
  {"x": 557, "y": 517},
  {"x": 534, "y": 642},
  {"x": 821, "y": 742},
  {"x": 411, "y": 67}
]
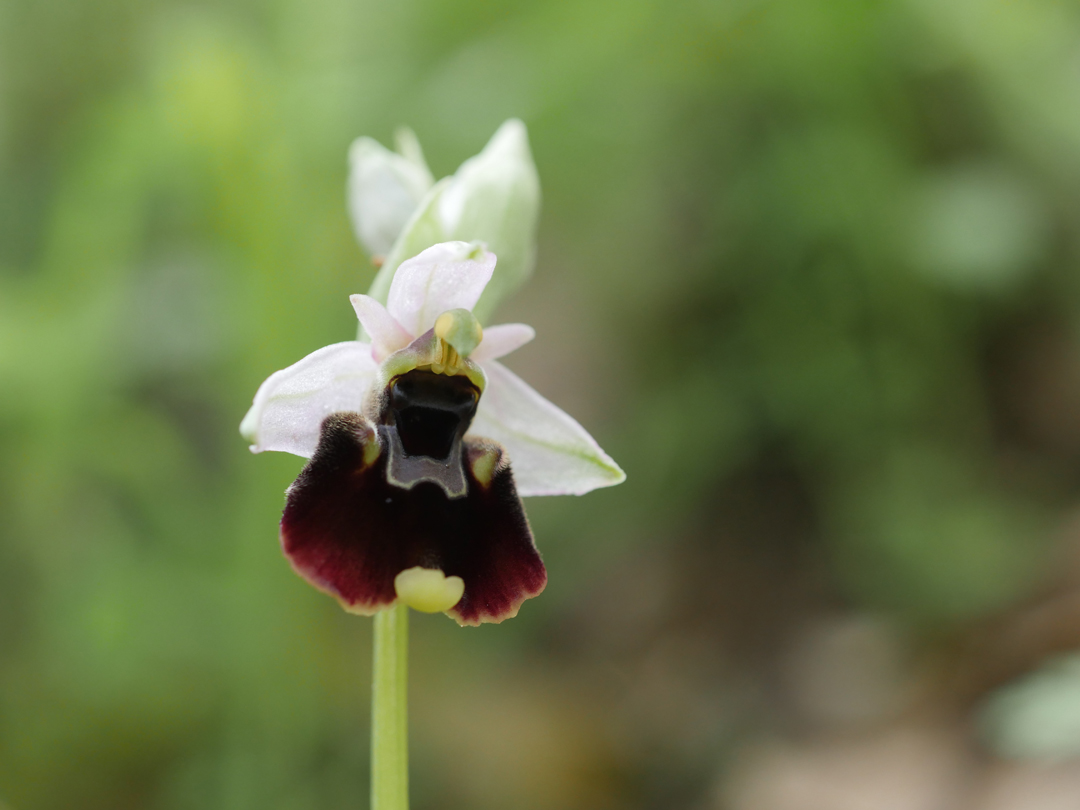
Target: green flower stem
[{"x": 390, "y": 710}]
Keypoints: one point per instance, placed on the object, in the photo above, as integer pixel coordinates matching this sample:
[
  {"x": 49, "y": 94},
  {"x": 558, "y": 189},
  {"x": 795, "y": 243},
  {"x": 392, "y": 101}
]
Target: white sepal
[
  {"x": 550, "y": 453},
  {"x": 290, "y": 406}
]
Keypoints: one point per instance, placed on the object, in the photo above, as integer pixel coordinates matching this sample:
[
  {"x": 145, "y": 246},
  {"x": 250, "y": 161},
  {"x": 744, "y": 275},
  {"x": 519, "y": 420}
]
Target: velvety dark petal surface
[
  {"x": 349, "y": 532},
  {"x": 495, "y": 553}
]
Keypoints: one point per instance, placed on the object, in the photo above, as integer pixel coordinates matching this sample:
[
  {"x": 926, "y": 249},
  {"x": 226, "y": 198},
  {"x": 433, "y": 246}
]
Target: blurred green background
[{"x": 807, "y": 270}]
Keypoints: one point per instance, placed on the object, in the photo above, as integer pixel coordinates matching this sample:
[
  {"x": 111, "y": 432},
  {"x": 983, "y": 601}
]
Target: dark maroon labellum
[{"x": 349, "y": 530}]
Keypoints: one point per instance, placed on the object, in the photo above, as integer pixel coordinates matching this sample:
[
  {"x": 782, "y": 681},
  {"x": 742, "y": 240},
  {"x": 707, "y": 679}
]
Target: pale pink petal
[
  {"x": 500, "y": 340},
  {"x": 550, "y": 453},
  {"x": 387, "y": 335},
  {"x": 291, "y": 405},
  {"x": 450, "y": 275}
]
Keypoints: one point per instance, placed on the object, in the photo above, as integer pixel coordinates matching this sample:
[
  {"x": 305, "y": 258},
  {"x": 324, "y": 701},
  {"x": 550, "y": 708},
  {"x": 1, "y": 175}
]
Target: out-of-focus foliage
[{"x": 807, "y": 269}]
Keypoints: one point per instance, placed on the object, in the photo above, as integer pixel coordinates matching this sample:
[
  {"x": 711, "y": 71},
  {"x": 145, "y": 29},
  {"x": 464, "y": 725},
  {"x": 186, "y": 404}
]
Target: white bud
[
  {"x": 495, "y": 198},
  {"x": 385, "y": 189}
]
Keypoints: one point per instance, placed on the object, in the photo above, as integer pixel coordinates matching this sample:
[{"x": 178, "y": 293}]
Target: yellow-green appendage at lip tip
[
  {"x": 460, "y": 329},
  {"x": 428, "y": 590}
]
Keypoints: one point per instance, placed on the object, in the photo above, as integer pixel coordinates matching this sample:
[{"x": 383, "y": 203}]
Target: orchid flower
[{"x": 412, "y": 437}]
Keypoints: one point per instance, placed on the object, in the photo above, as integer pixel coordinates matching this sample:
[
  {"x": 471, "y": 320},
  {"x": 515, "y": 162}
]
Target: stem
[{"x": 389, "y": 710}]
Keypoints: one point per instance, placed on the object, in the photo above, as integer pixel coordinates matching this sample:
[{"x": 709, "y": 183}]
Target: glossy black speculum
[{"x": 431, "y": 411}]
